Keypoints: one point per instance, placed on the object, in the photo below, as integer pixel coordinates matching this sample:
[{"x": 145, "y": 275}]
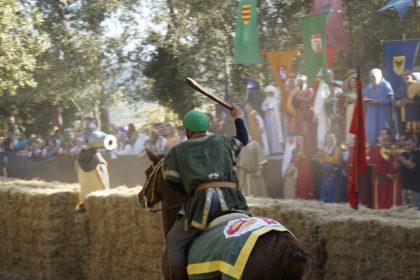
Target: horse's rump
[{"x": 227, "y": 249}]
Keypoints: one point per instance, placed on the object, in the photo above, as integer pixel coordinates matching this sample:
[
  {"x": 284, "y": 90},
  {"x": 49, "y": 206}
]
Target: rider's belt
[{"x": 216, "y": 185}]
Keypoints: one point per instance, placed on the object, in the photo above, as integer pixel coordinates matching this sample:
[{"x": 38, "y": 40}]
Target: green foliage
[
  {"x": 202, "y": 33},
  {"x": 57, "y": 54},
  {"x": 20, "y": 45},
  {"x": 369, "y": 29},
  {"x": 169, "y": 87},
  {"x": 77, "y": 70}
]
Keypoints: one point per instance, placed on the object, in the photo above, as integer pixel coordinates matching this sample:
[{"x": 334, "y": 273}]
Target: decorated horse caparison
[{"x": 270, "y": 252}]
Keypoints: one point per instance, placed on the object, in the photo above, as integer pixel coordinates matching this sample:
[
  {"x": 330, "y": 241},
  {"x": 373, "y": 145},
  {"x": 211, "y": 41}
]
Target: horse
[{"x": 276, "y": 255}]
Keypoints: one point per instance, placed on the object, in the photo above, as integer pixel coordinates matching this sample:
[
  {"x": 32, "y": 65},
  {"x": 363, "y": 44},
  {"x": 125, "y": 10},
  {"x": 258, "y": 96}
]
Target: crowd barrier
[
  {"x": 124, "y": 170},
  {"x": 130, "y": 171}
]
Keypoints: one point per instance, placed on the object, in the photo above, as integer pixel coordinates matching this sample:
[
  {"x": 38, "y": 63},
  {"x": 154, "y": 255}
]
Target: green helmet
[{"x": 196, "y": 121}]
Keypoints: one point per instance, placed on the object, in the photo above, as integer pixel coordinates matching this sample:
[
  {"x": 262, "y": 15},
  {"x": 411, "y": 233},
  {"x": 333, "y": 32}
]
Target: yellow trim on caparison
[{"x": 235, "y": 271}]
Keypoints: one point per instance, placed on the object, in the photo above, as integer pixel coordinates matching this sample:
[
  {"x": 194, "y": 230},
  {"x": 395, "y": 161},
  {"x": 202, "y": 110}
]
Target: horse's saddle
[{"x": 226, "y": 246}]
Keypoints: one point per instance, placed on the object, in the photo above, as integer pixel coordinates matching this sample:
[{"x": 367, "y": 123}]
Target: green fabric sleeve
[{"x": 170, "y": 167}]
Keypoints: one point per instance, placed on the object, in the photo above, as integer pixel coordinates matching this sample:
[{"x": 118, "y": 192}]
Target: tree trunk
[{"x": 104, "y": 117}]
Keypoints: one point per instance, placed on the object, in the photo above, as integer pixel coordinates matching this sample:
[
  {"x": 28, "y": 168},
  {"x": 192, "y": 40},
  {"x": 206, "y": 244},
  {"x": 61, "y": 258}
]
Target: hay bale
[
  {"x": 372, "y": 244},
  {"x": 125, "y": 240},
  {"x": 37, "y": 219},
  {"x": 303, "y": 219},
  {"x": 43, "y": 237}
]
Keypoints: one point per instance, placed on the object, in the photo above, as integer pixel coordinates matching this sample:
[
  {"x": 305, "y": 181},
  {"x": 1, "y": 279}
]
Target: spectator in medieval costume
[
  {"x": 249, "y": 165},
  {"x": 410, "y": 170},
  {"x": 289, "y": 172},
  {"x": 272, "y": 120},
  {"x": 302, "y": 161},
  {"x": 408, "y": 102},
  {"x": 336, "y": 109},
  {"x": 256, "y": 127},
  {"x": 379, "y": 105},
  {"x": 254, "y": 95},
  {"x": 386, "y": 188},
  {"x": 290, "y": 108},
  {"x": 304, "y": 103},
  {"x": 320, "y": 111},
  {"x": 332, "y": 188},
  {"x": 350, "y": 91},
  {"x": 365, "y": 179}
]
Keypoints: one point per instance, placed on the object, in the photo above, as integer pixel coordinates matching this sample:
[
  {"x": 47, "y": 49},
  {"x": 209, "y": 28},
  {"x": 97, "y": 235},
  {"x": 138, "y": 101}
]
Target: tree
[
  {"x": 77, "y": 66},
  {"x": 20, "y": 45}
]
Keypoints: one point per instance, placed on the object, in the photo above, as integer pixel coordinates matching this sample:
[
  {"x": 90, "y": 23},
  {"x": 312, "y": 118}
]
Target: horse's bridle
[{"x": 151, "y": 179}]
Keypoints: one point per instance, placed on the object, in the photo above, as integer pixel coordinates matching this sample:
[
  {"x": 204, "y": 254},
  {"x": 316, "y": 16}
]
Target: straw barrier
[{"x": 44, "y": 236}]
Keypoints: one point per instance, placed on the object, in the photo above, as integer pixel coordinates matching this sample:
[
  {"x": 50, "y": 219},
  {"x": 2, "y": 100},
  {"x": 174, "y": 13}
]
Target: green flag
[
  {"x": 313, "y": 36},
  {"x": 247, "y": 45}
]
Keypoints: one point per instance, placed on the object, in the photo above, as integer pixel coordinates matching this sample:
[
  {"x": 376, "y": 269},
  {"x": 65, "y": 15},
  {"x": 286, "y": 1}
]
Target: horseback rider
[{"x": 203, "y": 169}]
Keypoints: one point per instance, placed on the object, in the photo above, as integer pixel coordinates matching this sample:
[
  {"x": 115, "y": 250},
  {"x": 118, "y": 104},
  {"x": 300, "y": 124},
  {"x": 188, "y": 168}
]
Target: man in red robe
[
  {"x": 302, "y": 160},
  {"x": 386, "y": 188}
]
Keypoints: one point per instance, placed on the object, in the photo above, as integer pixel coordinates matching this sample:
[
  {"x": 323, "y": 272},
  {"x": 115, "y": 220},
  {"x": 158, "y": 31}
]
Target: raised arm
[{"x": 241, "y": 132}]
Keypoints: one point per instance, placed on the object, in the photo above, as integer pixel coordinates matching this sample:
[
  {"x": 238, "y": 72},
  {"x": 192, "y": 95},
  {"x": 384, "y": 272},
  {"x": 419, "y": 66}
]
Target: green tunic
[{"x": 201, "y": 160}]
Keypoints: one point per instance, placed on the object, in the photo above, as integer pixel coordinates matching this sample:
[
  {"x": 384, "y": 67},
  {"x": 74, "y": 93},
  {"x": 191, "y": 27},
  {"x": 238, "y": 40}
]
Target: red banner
[
  {"x": 359, "y": 148},
  {"x": 336, "y": 36}
]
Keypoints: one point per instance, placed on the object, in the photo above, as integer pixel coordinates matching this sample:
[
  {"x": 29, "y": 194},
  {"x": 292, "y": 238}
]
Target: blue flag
[
  {"x": 400, "y": 5},
  {"x": 399, "y": 56}
]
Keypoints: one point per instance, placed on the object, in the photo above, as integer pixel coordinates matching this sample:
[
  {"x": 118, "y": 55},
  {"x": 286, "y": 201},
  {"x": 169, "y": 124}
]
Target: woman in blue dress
[{"x": 380, "y": 110}]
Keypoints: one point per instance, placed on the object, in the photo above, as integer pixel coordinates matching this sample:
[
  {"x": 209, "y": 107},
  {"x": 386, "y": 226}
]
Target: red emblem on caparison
[{"x": 236, "y": 226}]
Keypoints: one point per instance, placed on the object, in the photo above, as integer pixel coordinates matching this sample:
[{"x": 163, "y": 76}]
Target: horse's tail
[{"x": 278, "y": 255}]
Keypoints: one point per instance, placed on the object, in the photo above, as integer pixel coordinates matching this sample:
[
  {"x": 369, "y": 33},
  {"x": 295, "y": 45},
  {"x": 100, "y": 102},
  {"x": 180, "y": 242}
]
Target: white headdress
[
  {"x": 274, "y": 90},
  {"x": 377, "y": 73}
]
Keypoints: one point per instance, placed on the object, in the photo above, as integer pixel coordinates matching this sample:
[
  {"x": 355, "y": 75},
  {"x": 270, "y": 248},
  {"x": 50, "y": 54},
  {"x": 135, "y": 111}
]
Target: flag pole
[
  {"x": 402, "y": 40},
  {"x": 356, "y": 146}
]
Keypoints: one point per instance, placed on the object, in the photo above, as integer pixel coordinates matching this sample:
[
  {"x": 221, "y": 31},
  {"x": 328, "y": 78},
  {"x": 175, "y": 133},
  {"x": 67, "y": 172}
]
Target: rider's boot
[{"x": 178, "y": 273}]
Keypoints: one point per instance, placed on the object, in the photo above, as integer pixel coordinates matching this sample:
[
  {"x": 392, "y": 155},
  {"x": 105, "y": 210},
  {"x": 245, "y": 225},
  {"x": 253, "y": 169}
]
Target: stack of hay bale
[
  {"x": 303, "y": 218},
  {"x": 43, "y": 236},
  {"x": 37, "y": 220},
  {"x": 126, "y": 241},
  {"x": 372, "y": 244}
]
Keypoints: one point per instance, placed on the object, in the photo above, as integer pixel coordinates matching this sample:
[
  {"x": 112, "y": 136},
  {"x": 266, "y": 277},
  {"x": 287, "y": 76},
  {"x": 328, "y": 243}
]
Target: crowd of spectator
[
  {"x": 131, "y": 141},
  {"x": 310, "y": 122},
  {"x": 302, "y": 124}
]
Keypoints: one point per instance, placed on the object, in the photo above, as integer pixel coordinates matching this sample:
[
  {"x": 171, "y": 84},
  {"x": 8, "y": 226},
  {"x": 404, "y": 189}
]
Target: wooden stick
[{"x": 200, "y": 89}]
